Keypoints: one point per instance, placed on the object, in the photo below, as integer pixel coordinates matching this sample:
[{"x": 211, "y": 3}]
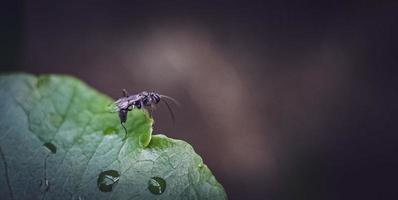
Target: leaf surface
[{"x": 58, "y": 141}]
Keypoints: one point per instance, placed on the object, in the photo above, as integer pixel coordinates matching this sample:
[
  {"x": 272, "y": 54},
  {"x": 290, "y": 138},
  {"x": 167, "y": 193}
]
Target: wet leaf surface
[{"x": 57, "y": 130}]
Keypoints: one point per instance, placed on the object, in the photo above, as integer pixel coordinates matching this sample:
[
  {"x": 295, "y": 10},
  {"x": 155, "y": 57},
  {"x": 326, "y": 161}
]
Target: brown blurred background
[{"x": 283, "y": 99}]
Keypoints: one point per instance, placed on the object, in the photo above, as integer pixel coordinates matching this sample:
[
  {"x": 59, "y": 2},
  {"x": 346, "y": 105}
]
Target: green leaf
[{"x": 58, "y": 141}]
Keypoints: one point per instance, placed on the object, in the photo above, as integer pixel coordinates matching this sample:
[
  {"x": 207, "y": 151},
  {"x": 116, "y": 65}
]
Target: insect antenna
[
  {"x": 169, "y": 107},
  {"x": 171, "y": 99}
]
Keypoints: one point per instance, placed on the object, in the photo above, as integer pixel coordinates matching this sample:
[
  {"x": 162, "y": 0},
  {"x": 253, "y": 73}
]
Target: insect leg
[
  {"x": 123, "y": 119},
  {"x": 151, "y": 108},
  {"x": 125, "y": 130},
  {"x": 123, "y": 115}
]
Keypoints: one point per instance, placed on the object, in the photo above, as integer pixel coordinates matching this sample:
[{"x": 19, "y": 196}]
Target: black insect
[{"x": 141, "y": 100}]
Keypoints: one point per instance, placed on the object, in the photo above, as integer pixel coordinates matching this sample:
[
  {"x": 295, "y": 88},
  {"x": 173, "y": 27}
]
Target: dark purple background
[{"x": 283, "y": 100}]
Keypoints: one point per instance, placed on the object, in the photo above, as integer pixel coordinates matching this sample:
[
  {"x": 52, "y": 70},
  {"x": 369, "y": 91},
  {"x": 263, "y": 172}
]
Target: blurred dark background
[{"x": 282, "y": 99}]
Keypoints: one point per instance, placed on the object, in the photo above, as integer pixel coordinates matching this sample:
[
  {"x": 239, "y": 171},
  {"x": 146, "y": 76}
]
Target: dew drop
[
  {"x": 157, "y": 185},
  {"x": 51, "y": 147},
  {"x": 110, "y": 130},
  {"x": 78, "y": 197},
  {"x": 107, "y": 180},
  {"x": 200, "y": 165},
  {"x": 44, "y": 185}
]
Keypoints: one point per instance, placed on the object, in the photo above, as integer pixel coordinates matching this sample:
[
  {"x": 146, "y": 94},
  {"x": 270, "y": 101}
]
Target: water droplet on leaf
[
  {"x": 78, "y": 197},
  {"x": 51, "y": 147},
  {"x": 44, "y": 185},
  {"x": 157, "y": 185},
  {"x": 107, "y": 180}
]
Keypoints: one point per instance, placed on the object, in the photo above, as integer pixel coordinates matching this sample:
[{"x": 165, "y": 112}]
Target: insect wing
[
  {"x": 117, "y": 105},
  {"x": 133, "y": 98},
  {"x": 113, "y": 107}
]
